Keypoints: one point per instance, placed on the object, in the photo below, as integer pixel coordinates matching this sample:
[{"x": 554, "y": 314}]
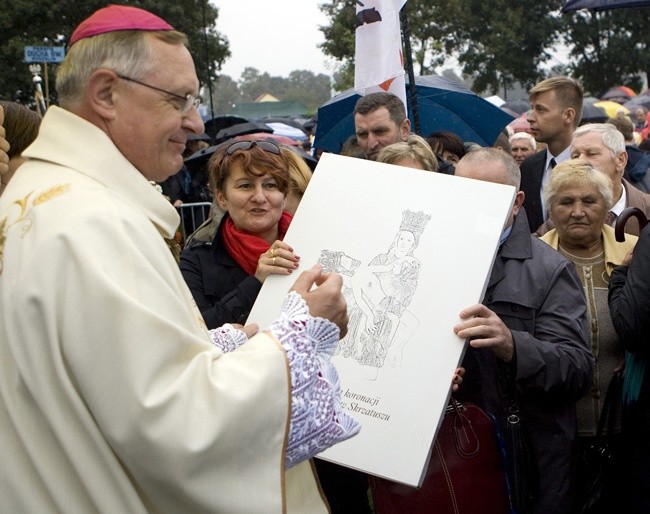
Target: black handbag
[
  {"x": 522, "y": 470},
  {"x": 600, "y": 455}
]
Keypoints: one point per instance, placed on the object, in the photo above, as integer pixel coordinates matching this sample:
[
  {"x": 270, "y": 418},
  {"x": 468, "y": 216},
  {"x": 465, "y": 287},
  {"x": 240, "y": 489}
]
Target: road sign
[{"x": 44, "y": 53}]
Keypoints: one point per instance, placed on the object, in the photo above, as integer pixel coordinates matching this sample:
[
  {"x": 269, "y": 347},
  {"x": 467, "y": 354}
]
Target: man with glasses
[{"x": 112, "y": 397}]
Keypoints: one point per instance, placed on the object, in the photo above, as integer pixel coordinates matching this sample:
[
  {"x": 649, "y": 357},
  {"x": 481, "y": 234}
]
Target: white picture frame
[{"x": 395, "y": 371}]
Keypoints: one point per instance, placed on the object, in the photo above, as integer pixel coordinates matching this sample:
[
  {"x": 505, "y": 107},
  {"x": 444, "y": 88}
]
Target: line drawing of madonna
[{"x": 380, "y": 323}]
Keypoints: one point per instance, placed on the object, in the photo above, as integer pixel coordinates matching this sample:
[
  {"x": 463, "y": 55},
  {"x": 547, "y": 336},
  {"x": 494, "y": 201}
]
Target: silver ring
[
  {"x": 273, "y": 261},
  {"x": 272, "y": 253}
]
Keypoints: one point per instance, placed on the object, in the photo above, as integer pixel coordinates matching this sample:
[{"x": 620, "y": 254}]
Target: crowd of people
[{"x": 129, "y": 382}]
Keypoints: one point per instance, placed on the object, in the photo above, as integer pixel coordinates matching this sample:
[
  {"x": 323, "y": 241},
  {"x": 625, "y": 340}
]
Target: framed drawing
[{"x": 414, "y": 248}]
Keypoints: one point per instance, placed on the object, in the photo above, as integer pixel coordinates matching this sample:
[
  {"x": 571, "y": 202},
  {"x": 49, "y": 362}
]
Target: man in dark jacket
[
  {"x": 629, "y": 303},
  {"x": 530, "y": 331}
]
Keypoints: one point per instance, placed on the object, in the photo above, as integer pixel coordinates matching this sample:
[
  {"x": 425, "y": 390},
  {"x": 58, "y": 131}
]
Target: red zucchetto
[{"x": 118, "y": 17}]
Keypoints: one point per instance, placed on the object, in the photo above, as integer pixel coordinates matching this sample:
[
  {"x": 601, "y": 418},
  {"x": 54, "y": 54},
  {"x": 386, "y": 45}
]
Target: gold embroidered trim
[{"x": 23, "y": 218}]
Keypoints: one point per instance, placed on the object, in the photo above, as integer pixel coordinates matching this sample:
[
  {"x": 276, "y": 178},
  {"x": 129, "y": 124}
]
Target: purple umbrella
[{"x": 603, "y": 5}]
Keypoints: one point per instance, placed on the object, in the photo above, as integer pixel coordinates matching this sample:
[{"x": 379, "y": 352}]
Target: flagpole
[
  {"x": 413, "y": 102},
  {"x": 207, "y": 60}
]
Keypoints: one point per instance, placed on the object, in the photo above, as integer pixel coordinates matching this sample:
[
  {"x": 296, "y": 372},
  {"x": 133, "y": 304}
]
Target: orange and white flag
[{"x": 378, "y": 60}]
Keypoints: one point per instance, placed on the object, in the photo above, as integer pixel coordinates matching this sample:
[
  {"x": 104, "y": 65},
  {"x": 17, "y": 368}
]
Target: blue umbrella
[
  {"x": 442, "y": 104},
  {"x": 602, "y": 5}
]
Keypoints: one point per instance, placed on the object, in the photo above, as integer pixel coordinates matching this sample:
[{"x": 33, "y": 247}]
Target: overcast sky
[{"x": 274, "y": 36}]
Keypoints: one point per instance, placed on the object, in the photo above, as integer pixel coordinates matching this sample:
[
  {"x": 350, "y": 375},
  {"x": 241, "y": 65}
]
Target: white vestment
[{"x": 112, "y": 398}]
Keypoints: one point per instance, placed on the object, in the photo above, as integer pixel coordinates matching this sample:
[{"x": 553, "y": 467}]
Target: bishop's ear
[{"x": 102, "y": 92}]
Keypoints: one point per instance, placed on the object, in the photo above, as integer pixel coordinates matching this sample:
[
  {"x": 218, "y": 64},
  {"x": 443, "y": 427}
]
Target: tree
[
  {"x": 501, "y": 42},
  {"x": 339, "y": 39},
  {"x": 301, "y": 86},
  {"x": 252, "y": 84},
  {"x": 308, "y": 89},
  {"x": 30, "y": 22},
  {"x": 610, "y": 48},
  {"x": 225, "y": 94}
]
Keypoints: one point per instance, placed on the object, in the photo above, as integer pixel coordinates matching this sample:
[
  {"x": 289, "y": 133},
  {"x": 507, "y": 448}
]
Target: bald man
[{"x": 530, "y": 332}]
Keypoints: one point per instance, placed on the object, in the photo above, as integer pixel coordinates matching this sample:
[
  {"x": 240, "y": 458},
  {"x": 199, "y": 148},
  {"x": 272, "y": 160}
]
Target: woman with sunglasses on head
[
  {"x": 225, "y": 275},
  {"x": 252, "y": 181}
]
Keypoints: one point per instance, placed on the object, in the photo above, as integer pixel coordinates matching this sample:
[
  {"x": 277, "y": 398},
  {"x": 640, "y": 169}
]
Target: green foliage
[
  {"x": 42, "y": 23},
  {"x": 225, "y": 94},
  {"x": 302, "y": 86},
  {"x": 339, "y": 39},
  {"x": 611, "y": 48},
  {"x": 501, "y": 42},
  {"x": 429, "y": 31},
  {"x": 309, "y": 89}
]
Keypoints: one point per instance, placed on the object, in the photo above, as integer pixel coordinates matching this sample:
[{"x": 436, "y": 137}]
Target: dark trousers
[
  {"x": 346, "y": 489},
  {"x": 583, "y": 472}
]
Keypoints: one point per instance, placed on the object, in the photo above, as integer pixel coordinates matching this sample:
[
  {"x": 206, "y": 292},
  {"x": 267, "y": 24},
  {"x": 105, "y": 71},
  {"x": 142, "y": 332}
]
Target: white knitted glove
[{"x": 317, "y": 419}]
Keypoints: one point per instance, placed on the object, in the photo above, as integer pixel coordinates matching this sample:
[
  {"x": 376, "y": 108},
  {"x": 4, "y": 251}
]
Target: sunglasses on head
[{"x": 267, "y": 146}]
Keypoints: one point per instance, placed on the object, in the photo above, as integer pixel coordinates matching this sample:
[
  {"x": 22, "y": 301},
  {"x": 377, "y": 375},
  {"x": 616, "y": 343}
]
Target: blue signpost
[{"x": 44, "y": 53}]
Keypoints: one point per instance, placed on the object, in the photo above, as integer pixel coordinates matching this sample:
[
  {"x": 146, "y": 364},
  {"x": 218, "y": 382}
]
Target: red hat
[{"x": 118, "y": 17}]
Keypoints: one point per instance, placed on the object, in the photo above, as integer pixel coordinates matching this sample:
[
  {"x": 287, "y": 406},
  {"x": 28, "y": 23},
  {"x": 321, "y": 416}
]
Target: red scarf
[{"x": 246, "y": 248}]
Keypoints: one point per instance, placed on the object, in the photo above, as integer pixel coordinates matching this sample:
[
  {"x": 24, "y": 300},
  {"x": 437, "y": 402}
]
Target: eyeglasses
[
  {"x": 184, "y": 103},
  {"x": 267, "y": 146}
]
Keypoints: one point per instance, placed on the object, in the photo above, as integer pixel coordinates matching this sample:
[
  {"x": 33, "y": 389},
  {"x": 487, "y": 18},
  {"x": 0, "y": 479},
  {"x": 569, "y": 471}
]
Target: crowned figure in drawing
[{"x": 379, "y": 294}]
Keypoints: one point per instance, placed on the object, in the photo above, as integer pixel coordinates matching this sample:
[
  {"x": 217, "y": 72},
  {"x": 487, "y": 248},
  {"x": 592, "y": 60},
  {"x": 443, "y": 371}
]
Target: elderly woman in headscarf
[{"x": 578, "y": 197}]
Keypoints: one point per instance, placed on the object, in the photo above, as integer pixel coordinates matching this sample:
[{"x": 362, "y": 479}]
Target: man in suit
[
  {"x": 556, "y": 109},
  {"x": 602, "y": 145}
]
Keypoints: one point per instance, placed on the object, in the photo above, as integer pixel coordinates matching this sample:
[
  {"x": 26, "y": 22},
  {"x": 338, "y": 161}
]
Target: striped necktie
[{"x": 610, "y": 219}]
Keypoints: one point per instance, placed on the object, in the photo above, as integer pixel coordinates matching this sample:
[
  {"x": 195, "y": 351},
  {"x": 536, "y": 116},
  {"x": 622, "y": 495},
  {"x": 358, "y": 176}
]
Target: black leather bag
[
  {"x": 600, "y": 455},
  {"x": 522, "y": 470}
]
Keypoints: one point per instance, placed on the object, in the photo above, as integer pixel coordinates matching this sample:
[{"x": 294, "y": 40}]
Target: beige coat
[{"x": 111, "y": 397}]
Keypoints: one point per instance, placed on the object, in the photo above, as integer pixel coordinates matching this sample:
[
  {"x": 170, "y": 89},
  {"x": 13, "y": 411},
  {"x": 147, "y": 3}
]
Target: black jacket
[
  {"x": 636, "y": 169},
  {"x": 223, "y": 291},
  {"x": 532, "y": 171},
  {"x": 629, "y": 304},
  {"x": 197, "y": 190},
  {"x": 629, "y": 298}
]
